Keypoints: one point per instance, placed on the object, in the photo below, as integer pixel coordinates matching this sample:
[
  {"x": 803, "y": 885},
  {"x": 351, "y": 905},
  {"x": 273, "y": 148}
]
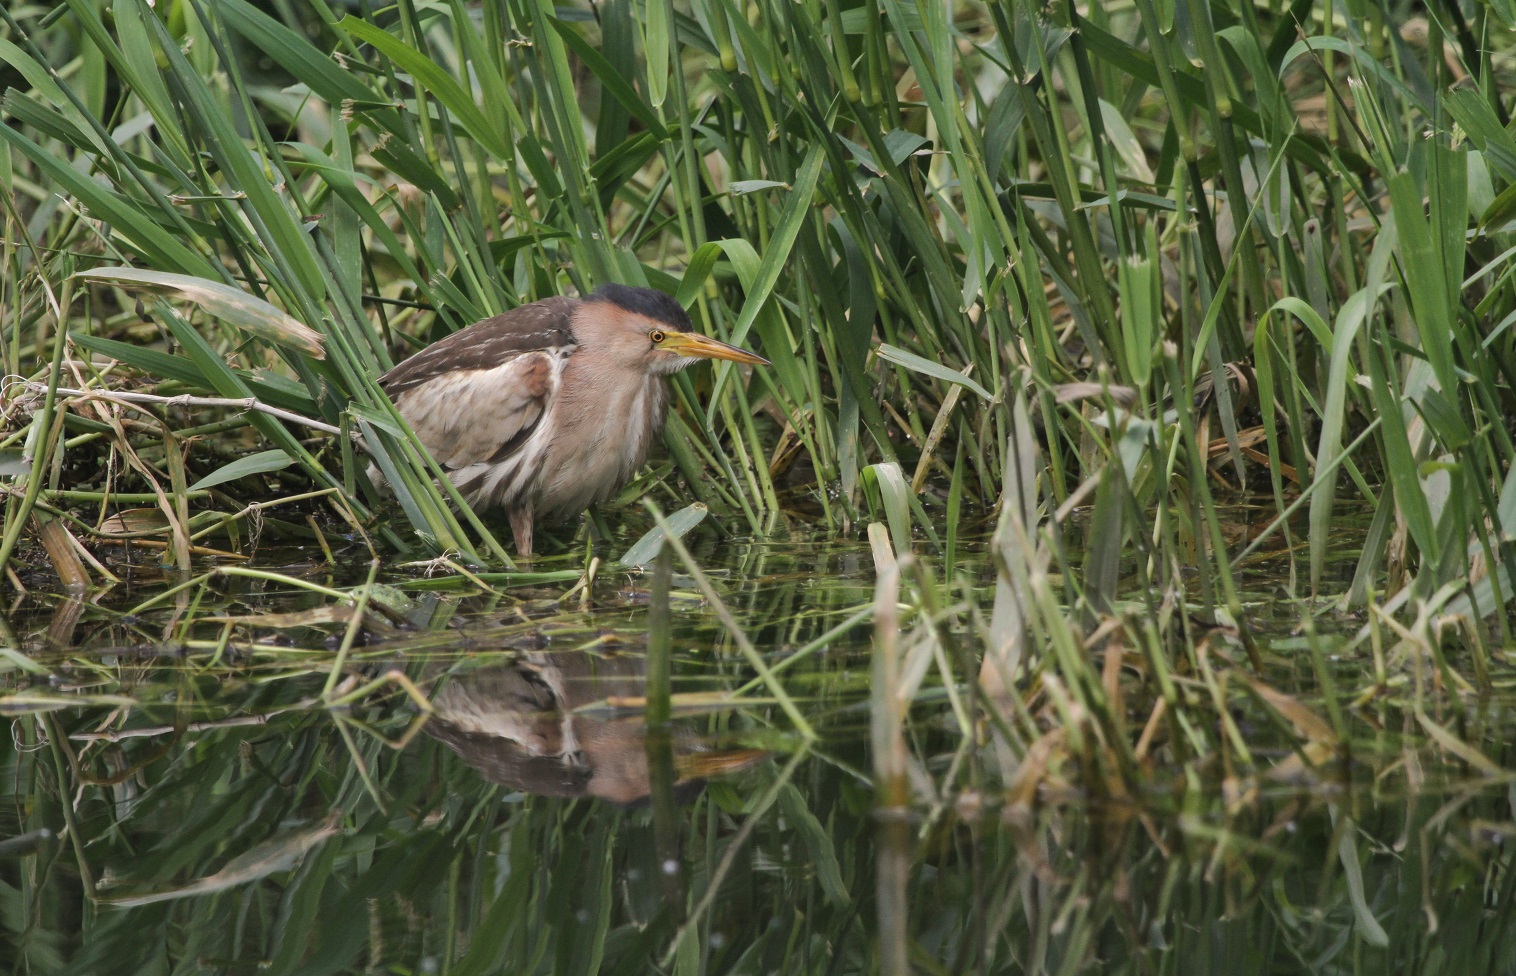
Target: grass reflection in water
[{"x": 219, "y": 805}]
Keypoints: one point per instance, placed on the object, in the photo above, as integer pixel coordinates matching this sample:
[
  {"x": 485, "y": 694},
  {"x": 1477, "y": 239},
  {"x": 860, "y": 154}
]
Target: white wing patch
[{"x": 474, "y": 416}]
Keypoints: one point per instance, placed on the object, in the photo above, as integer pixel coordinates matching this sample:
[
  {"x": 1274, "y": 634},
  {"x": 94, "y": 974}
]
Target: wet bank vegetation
[{"x": 1111, "y": 573}]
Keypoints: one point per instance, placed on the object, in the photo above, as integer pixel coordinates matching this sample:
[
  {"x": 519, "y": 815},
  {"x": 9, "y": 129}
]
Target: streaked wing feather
[
  {"x": 539, "y": 327},
  {"x": 478, "y": 395},
  {"x": 469, "y": 416}
]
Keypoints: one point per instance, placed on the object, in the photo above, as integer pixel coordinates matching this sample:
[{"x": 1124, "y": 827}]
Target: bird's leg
[{"x": 521, "y": 528}]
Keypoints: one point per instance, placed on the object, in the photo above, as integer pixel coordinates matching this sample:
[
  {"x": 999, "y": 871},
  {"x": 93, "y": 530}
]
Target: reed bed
[
  {"x": 1078, "y": 281},
  {"x": 1281, "y": 241}
]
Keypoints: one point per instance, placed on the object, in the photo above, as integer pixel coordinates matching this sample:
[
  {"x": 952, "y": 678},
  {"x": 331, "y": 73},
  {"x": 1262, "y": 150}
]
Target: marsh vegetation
[{"x": 1112, "y": 573}]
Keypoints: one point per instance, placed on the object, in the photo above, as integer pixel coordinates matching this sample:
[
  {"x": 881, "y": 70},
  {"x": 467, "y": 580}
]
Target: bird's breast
[{"x": 606, "y": 428}]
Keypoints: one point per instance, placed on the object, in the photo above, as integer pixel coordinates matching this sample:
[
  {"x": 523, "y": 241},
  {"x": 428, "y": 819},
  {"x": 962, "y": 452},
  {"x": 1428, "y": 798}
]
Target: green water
[{"x": 182, "y": 795}]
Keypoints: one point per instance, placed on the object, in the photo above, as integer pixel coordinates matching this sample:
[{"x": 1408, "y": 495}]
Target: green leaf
[
  {"x": 1368, "y": 926},
  {"x": 1472, "y": 111},
  {"x": 887, "y": 483},
  {"x": 818, "y": 843},
  {"x": 1340, "y": 386},
  {"x": 919, "y": 364},
  {"x": 150, "y": 361},
  {"x": 1125, "y": 142},
  {"x": 14, "y": 464},
  {"x": 260, "y": 463},
  {"x": 269, "y": 388},
  {"x": 739, "y": 187},
  {"x": 646, "y": 549},
  {"x": 657, "y": 41},
  {"x": 1138, "y": 283},
  {"x": 1427, "y": 287},
  {"x": 12, "y": 659},
  {"x": 700, "y": 266}
]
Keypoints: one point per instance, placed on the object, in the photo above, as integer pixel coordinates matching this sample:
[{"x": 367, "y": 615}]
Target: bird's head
[{"x": 648, "y": 330}]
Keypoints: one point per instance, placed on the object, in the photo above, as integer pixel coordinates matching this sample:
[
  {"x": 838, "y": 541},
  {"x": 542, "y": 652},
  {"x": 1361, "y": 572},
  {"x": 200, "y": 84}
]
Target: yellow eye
[{"x": 656, "y": 335}]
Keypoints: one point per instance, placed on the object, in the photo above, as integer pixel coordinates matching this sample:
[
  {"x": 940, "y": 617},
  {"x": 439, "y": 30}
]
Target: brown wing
[
  {"x": 478, "y": 395},
  {"x": 538, "y": 327}
]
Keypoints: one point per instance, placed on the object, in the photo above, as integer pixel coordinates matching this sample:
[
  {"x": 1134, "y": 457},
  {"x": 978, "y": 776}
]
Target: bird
[{"x": 554, "y": 405}]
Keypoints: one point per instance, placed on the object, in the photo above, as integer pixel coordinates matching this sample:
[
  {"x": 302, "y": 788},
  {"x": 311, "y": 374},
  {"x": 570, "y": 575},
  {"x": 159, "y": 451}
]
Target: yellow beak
[
  {"x": 703, "y": 765},
  {"x": 696, "y": 345}
]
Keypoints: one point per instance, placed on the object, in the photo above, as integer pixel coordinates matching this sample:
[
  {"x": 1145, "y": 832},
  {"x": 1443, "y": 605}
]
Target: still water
[{"x": 248, "y": 775}]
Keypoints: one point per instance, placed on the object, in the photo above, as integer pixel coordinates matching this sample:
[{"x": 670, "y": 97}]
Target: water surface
[{"x": 240, "y": 778}]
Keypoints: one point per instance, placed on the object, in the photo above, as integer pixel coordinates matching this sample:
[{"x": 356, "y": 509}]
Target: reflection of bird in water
[{"x": 515, "y": 724}]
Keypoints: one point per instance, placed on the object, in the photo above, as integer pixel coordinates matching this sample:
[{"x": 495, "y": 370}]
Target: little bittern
[{"x": 554, "y": 405}]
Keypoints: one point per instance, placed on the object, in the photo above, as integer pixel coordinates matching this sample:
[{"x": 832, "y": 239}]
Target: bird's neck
[{"x": 653, "y": 403}]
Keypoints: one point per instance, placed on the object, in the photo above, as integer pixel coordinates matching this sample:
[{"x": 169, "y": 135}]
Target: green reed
[{"x": 914, "y": 212}]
